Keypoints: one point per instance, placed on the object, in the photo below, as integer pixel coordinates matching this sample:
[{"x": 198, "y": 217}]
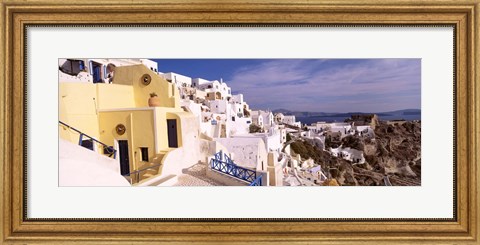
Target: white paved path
[{"x": 196, "y": 176}]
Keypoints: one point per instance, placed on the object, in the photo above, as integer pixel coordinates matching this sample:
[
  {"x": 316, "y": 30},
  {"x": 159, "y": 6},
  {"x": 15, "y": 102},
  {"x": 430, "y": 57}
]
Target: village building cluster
[{"x": 150, "y": 128}]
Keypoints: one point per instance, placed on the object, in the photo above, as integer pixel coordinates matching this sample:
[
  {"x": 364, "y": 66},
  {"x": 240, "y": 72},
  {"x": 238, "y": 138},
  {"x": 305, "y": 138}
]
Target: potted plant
[{"x": 153, "y": 101}]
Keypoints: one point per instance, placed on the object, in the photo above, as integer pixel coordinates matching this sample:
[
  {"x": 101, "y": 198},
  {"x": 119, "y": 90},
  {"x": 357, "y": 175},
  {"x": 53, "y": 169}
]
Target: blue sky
[{"x": 317, "y": 85}]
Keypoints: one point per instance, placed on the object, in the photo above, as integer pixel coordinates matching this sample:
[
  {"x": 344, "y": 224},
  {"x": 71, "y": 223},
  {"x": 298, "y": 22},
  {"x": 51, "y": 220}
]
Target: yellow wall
[
  {"x": 79, "y": 104},
  {"x": 132, "y": 75},
  {"x": 112, "y": 96},
  {"x": 96, "y": 109},
  {"x": 139, "y": 132},
  {"x": 77, "y": 108},
  {"x": 162, "y": 114}
]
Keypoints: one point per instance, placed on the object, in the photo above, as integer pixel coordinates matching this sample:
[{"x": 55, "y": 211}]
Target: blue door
[{"x": 97, "y": 74}]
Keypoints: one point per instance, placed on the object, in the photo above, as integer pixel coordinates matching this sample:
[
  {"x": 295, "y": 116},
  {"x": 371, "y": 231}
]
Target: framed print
[{"x": 312, "y": 122}]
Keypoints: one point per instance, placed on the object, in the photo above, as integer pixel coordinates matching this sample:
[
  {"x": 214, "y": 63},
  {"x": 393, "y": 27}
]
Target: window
[
  {"x": 209, "y": 86},
  {"x": 233, "y": 119},
  {"x": 88, "y": 144},
  {"x": 96, "y": 72},
  {"x": 144, "y": 151},
  {"x": 72, "y": 67}
]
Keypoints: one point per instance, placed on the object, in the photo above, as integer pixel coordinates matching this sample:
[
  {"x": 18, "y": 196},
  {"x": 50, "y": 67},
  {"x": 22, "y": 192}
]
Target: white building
[
  {"x": 196, "y": 82},
  {"x": 237, "y": 98},
  {"x": 257, "y": 118},
  {"x": 365, "y": 131},
  {"x": 219, "y": 106},
  {"x": 352, "y": 155},
  {"x": 316, "y": 140},
  {"x": 238, "y": 109},
  {"x": 221, "y": 90},
  {"x": 177, "y": 79},
  {"x": 289, "y": 119},
  {"x": 279, "y": 117},
  {"x": 273, "y": 139},
  {"x": 247, "y": 152},
  {"x": 263, "y": 119},
  {"x": 96, "y": 70}
]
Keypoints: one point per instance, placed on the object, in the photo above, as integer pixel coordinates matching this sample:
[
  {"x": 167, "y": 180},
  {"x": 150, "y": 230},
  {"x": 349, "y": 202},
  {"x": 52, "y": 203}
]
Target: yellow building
[{"x": 119, "y": 116}]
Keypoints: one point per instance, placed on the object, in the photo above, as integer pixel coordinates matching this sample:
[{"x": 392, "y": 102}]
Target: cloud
[{"x": 331, "y": 85}]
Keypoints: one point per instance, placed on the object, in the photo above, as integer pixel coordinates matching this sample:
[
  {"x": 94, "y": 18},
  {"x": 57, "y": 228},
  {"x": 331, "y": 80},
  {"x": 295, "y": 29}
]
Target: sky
[{"x": 315, "y": 85}]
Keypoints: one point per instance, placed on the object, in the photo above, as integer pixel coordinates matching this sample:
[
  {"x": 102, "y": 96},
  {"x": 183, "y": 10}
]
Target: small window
[
  {"x": 88, "y": 144},
  {"x": 144, "y": 151},
  {"x": 209, "y": 86},
  {"x": 73, "y": 67},
  {"x": 233, "y": 119},
  {"x": 108, "y": 150}
]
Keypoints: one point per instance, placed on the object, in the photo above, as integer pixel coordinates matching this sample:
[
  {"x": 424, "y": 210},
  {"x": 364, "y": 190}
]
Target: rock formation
[{"x": 394, "y": 152}]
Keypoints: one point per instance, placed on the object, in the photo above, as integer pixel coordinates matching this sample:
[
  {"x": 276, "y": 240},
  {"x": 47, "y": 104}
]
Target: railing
[
  {"x": 257, "y": 181},
  {"x": 137, "y": 175},
  {"x": 230, "y": 168},
  {"x": 106, "y": 148},
  {"x": 228, "y": 159}
]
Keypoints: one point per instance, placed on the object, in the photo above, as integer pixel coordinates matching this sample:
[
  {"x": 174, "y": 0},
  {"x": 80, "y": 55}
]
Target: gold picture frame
[{"x": 464, "y": 15}]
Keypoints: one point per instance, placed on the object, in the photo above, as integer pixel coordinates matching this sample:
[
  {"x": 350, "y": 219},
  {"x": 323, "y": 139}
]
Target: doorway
[
  {"x": 96, "y": 71},
  {"x": 172, "y": 133},
  {"x": 124, "y": 157}
]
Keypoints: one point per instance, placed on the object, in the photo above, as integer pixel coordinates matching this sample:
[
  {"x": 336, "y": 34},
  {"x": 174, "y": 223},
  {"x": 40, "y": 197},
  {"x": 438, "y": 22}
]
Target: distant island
[{"x": 312, "y": 117}]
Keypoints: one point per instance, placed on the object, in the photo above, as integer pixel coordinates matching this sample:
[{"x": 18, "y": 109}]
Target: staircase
[
  {"x": 149, "y": 173},
  {"x": 223, "y": 164},
  {"x": 146, "y": 171},
  {"x": 106, "y": 149}
]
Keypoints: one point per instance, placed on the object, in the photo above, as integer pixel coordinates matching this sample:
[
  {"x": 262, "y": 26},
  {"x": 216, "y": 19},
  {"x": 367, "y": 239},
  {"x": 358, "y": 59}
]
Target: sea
[{"x": 310, "y": 120}]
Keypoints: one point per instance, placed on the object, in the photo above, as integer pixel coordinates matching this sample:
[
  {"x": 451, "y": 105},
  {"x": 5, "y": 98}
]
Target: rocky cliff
[{"x": 394, "y": 152}]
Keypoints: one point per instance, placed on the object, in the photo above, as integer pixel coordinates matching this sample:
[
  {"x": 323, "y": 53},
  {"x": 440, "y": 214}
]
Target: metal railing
[
  {"x": 106, "y": 148},
  {"x": 139, "y": 173},
  {"x": 257, "y": 181},
  {"x": 228, "y": 167}
]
